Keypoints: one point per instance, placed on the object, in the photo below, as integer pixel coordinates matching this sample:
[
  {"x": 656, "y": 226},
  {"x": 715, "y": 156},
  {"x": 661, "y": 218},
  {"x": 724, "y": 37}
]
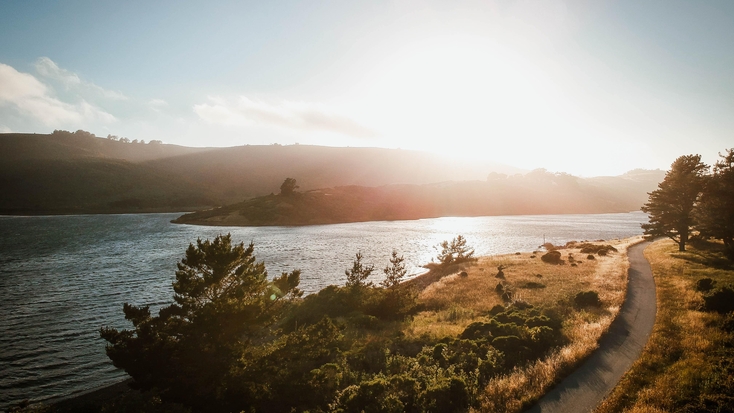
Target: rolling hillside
[{"x": 77, "y": 172}]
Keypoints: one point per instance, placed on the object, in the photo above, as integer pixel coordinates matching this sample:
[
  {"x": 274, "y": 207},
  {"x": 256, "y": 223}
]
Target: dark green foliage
[
  {"x": 552, "y": 257},
  {"x": 715, "y": 210},
  {"x": 496, "y": 309},
  {"x": 704, "y": 284},
  {"x": 720, "y": 299},
  {"x": 670, "y": 207},
  {"x": 223, "y": 300},
  {"x": 376, "y": 395},
  {"x": 288, "y": 365},
  {"x": 523, "y": 334},
  {"x": 358, "y": 274},
  {"x": 395, "y": 272},
  {"x": 448, "y": 395},
  {"x": 587, "y": 299}
]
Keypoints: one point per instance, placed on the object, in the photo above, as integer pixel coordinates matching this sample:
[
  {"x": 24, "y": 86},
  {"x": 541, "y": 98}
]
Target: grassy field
[
  {"x": 456, "y": 301},
  {"x": 688, "y": 364}
]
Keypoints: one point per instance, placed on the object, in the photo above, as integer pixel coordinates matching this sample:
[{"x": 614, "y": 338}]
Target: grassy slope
[
  {"x": 454, "y": 302},
  {"x": 518, "y": 390},
  {"x": 688, "y": 364}
]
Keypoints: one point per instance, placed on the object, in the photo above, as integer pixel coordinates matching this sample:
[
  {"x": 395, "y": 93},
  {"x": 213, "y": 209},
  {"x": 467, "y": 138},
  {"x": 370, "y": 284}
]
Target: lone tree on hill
[
  {"x": 715, "y": 212},
  {"x": 671, "y": 205},
  {"x": 455, "y": 252},
  {"x": 223, "y": 303},
  {"x": 288, "y": 187}
]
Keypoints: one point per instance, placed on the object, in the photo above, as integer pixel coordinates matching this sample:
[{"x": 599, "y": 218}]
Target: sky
[{"x": 583, "y": 87}]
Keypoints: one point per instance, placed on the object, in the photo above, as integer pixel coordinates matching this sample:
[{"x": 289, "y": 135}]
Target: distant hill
[
  {"x": 77, "y": 172},
  {"x": 79, "y": 145},
  {"x": 246, "y": 171},
  {"x": 66, "y": 172},
  {"x": 538, "y": 192}
]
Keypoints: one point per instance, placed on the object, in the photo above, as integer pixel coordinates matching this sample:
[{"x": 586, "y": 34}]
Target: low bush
[
  {"x": 552, "y": 257},
  {"x": 704, "y": 284},
  {"x": 720, "y": 299},
  {"x": 587, "y": 299},
  {"x": 603, "y": 249}
]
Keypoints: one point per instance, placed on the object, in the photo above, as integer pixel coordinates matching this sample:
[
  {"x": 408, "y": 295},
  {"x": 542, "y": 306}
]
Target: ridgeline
[{"x": 79, "y": 173}]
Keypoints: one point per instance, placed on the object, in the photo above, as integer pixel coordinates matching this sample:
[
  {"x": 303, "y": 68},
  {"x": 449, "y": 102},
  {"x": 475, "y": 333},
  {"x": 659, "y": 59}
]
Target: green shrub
[
  {"x": 496, "y": 309},
  {"x": 447, "y": 395},
  {"x": 477, "y": 330}
]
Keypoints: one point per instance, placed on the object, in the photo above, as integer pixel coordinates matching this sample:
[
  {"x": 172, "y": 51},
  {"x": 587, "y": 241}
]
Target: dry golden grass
[
  {"x": 454, "y": 302},
  {"x": 688, "y": 362}
]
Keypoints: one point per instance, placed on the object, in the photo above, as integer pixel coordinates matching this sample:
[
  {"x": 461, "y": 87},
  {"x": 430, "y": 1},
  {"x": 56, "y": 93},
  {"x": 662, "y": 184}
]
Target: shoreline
[{"x": 92, "y": 397}]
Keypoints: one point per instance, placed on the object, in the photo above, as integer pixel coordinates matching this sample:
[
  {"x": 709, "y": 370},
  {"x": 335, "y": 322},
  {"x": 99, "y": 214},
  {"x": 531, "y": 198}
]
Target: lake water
[{"x": 63, "y": 277}]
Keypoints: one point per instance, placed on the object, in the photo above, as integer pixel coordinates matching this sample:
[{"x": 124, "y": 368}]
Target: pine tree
[
  {"x": 395, "y": 272},
  {"x": 223, "y": 301},
  {"x": 671, "y": 206},
  {"x": 358, "y": 274},
  {"x": 715, "y": 212}
]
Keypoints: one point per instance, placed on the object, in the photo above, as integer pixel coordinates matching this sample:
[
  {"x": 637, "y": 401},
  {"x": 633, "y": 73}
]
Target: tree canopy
[
  {"x": 223, "y": 301},
  {"x": 455, "y": 252},
  {"x": 288, "y": 187},
  {"x": 715, "y": 213},
  {"x": 671, "y": 206}
]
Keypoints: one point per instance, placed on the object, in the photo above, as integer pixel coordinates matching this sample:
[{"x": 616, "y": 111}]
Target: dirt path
[{"x": 585, "y": 388}]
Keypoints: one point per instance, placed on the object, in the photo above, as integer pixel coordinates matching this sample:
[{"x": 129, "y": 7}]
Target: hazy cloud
[
  {"x": 286, "y": 114},
  {"x": 33, "y": 98},
  {"x": 5, "y": 129},
  {"x": 157, "y": 104},
  {"x": 49, "y": 69}
]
